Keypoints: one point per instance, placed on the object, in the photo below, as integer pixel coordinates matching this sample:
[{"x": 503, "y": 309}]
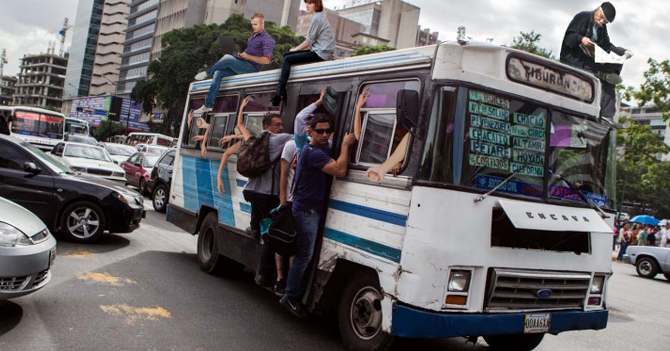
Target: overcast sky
[{"x": 642, "y": 26}]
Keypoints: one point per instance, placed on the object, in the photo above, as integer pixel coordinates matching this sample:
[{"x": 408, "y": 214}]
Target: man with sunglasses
[
  {"x": 315, "y": 166},
  {"x": 587, "y": 29}
]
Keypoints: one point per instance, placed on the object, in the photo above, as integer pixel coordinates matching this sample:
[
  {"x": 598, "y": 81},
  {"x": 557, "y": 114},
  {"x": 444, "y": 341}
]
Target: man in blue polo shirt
[{"x": 257, "y": 54}]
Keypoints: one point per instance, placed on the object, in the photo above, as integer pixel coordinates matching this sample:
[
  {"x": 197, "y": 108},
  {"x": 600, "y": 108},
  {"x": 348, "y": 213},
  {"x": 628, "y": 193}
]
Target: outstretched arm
[
  {"x": 376, "y": 174},
  {"x": 299, "y": 129},
  {"x": 240, "y": 119},
  {"x": 338, "y": 168},
  {"x": 231, "y": 150},
  {"x": 362, "y": 99}
]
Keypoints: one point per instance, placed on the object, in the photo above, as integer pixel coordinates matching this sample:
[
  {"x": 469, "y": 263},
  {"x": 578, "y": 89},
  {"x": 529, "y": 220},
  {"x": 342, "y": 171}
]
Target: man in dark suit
[{"x": 587, "y": 29}]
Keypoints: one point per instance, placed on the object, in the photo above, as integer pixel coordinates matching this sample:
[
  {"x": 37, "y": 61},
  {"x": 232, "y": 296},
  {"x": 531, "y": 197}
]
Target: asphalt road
[{"x": 145, "y": 291}]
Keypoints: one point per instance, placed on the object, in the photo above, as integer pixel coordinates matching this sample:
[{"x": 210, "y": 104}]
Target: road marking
[
  {"x": 105, "y": 278},
  {"x": 77, "y": 253},
  {"x": 134, "y": 314}
]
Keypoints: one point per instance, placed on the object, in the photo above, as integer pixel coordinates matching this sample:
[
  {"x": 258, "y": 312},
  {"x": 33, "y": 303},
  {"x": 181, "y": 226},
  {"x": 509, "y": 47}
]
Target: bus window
[
  {"x": 51, "y": 126},
  {"x": 225, "y": 104},
  {"x": 218, "y": 129},
  {"x": 256, "y": 110},
  {"x": 26, "y": 123},
  {"x": 438, "y": 150},
  {"x": 254, "y": 124}
]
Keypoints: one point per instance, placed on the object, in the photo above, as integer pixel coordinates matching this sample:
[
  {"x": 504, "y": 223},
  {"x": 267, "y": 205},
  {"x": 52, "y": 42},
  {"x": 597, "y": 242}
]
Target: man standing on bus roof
[
  {"x": 587, "y": 29},
  {"x": 258, "y": 53},
  {"x": 315, "y": 166}
]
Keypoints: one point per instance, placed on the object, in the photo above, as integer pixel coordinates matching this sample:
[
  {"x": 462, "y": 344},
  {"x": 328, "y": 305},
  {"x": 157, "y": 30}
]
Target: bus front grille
[{"x": 535, "y": 290}]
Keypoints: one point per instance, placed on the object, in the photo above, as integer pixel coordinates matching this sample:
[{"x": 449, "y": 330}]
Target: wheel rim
[
  {"x": 366, "y": 313},
  {"x": 207, "y": 244},
  {"x": 159, "y": 198},
  {"x": 83, "y": 222},
  {"x": 645, "y": 267}
]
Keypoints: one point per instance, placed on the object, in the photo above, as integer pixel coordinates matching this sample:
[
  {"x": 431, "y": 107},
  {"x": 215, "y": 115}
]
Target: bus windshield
[
  {"x": 38, "y": 124},
  {"x": 503, "y": 136}
]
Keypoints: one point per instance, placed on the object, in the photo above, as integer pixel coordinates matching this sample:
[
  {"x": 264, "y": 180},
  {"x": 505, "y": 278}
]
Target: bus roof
[{"x": 32, "y": 109}]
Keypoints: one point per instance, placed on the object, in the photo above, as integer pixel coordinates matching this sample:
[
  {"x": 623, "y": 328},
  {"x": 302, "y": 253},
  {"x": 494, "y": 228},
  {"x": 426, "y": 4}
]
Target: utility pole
[{"x": 3, "y": 61}]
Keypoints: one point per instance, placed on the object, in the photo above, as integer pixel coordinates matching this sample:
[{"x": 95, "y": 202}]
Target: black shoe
[
  {"x": 280, "y": 287},
  {"x": 276, "y": 100},
  {"x": 293, "y": 307},
  {"x": 264, "y": 282},
  {"x": 613, "y": 78}
]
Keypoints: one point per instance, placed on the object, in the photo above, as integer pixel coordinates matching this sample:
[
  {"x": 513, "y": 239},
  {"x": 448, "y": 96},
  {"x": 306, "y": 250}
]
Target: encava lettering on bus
[
  {"x": 549, "y": 78},
  {"x": 489, "y": 111}
]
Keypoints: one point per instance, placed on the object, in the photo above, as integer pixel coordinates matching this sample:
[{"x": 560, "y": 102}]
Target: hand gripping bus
[{"x": 492, "y": 226}]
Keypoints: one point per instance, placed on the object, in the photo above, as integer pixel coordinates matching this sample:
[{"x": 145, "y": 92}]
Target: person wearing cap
[{"x": 587, "y": 29}]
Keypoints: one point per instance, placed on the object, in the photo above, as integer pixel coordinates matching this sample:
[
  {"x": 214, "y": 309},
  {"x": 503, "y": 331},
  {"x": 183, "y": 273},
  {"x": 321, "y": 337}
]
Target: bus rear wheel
[
  {"x": 208, "y": 252},
  {"x": 518, "y": 342},
  {"x": 360, "y": 314}
]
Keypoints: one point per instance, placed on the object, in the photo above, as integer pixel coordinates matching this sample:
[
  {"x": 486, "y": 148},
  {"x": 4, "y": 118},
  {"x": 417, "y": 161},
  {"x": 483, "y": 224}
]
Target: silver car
[
  {"x": 649, "y": 260},
  {"x": 27, "y": 251}
]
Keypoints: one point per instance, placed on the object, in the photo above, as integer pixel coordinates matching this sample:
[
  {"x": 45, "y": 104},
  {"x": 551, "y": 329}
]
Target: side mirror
[
  {"x": 407, "y": 110},
  {"x": 31, "y": 168}
]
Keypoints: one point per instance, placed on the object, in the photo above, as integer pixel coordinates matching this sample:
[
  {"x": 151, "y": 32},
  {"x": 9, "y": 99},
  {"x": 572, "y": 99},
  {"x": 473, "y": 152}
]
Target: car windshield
[
  {"x": 150, "y": 160},
  {"x": 52, "y": 163},
  {"x": 156, "y": 150},
  {"x": 88, "y": 152},
  {"x": 120, "y": 150},
  {"x": 83, "y": 139}
]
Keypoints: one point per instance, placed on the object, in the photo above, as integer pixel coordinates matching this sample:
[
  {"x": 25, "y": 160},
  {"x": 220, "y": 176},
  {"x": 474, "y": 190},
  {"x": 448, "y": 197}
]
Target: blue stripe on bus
[
  {"x": 199, "y": 178},
  {"x": 241, "y": 183},
  {"x": 191, "y": 202},
  {"x": 366, "y": 245},
  {"x": 372, "y": 213},
  {"x": 224, "y": 204},
  {"x": 244, "y": 207}
]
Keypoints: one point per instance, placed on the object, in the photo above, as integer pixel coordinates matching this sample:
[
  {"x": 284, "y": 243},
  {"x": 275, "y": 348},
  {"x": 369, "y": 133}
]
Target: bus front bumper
[{"x": 414, "y": 323}]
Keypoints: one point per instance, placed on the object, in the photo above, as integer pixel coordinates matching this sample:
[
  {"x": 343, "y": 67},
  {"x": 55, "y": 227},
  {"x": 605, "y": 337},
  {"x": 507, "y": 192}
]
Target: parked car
[
  {"x": 27, "y": 251},
  {"x": 138, "y": 169},
  {"x": 152, "y": 149},
  {"x": 83, "y": 139},
  {"x": 649, "y": 260},
  {"x": 118, "y": 152},
  {"x": 161, "y": 180},
  {"x": 78, "y": 205},
  {"x": 90, "y": 159}
]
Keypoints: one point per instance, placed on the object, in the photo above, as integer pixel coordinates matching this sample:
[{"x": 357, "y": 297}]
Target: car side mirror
[
  {"x": 32, "y": 168},
  {"x": 407, "y": 110}
]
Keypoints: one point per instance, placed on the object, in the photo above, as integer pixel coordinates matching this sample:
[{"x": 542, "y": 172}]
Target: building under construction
[
  {"x": 7, "y": 89},
  {"x": 41, "y": 80}
]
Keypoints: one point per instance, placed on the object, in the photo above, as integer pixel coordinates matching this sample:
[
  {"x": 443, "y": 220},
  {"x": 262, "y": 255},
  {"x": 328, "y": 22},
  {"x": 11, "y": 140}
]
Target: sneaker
[
  {"x": 280, "y": 287},
  {"x": 293, "y": 307},
  {"x": 613, "y": 78},
  {"x": 202, "y": 109},
  {"x": 264, "y": 282},
  {"x": 201, "y": 76}
]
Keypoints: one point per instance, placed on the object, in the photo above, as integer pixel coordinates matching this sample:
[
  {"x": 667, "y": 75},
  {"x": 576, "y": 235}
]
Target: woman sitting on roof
[{"x": 321, "y": 43}]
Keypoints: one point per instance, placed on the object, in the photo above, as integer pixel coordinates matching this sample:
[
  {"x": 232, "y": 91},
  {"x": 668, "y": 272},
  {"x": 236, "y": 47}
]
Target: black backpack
[
  {"x": 281, "y": 233},
  {"x": 253, "y": 159}
]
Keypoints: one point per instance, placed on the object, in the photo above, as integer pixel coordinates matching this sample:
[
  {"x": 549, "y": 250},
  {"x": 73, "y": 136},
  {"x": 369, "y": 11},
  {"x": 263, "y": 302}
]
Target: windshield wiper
[
  {"x": 482, "y": 197},
  {"x": 576, "y": 190}
]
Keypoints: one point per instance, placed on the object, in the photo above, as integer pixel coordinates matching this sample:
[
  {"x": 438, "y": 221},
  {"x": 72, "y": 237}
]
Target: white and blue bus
[
  {"x": 497, "y": 225},
  {"x": 40, "y": 127}
]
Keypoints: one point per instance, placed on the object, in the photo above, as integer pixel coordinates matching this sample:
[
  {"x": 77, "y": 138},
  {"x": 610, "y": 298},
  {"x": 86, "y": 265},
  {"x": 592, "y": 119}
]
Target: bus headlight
[
  {"x": 459, "y": 281},
  {"x": 597, "y": 284}
]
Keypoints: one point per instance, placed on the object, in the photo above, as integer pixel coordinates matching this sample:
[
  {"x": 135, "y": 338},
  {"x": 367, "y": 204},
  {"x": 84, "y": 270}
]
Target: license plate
[
  {"x": 537, "y": 323},
  {"x": 52, "y": 257}
]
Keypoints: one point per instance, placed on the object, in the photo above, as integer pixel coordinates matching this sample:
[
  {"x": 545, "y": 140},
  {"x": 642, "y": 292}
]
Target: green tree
[
  {"x": 656, "y": 87},
  {"x": 657, "y": 183},
  {"x": 108, "y": 128},
  {"x": 372, "y": 50},
  {"x": 529, "y": 42},
  {"x": 187, "y": 51}
]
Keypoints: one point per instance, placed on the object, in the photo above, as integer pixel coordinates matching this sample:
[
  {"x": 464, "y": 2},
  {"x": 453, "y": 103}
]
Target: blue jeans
[
  {"x": 622, "y": 250},
  {"x": 306, "y": 227},
  {"x": 226, "y": 67}
]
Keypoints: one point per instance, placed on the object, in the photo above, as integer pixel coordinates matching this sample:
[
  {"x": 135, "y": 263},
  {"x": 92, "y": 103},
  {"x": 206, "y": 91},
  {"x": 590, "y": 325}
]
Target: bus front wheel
[
  {"x": 360, "y": 314},
  {"x": 518, "y": 342},
  {"x": 208, "y": 252}
]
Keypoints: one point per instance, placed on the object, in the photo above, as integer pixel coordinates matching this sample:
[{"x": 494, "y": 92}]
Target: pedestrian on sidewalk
[{"x": 624, "y": 241}]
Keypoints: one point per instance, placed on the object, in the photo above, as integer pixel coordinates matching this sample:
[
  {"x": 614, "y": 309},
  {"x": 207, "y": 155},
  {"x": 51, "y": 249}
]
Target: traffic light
[{"x": 115, "y": 108}]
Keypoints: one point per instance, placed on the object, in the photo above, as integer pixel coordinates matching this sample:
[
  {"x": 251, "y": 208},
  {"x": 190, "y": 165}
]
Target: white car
[
  {"x": 89, "y": 159},
  {"x": 119, "y": 152},
  {"x": 152, "y": 149}
]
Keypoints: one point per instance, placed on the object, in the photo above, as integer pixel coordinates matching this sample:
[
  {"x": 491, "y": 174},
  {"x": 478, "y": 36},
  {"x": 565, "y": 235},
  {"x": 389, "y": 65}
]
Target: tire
[
  {"x": 160, "y": 198},
  {"x": 667, "y": 276},
  {"x": 142, "y": 187},
  {"x": 646, "y": 267},
  {"x": 208, "y": 252},
  {"x": 359, "y": 315},
  {"x": 517, "y": 342},
  {"x": 83, "y": 222}
]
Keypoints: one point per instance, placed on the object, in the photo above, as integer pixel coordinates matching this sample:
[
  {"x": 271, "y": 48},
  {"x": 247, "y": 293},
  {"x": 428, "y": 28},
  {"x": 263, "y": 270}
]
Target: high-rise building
[
  {"x": 82, "y": 50},
  {"x": 281, "y": 12},
  {"x": 651, "y": 116},
  {"x": 138, "y": 43},
  {"x": 425, "y": 37},
  {"x": 41, "y": 80},
  {"x": 7, "y": 89},
  {"x": 344, "y": 30},
  {"x": 110, "y": 46},
  {"x": 394, "y": 20},
  {"x": 176, "y": 14}
]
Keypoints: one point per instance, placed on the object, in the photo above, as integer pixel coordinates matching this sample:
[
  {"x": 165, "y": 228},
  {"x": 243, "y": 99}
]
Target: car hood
[
  {"x": 19, "y": 217},
  {"x": 86, "y": 163},
  {"x": 97, "y": 181},
  {"x": 119, "y": 158}
]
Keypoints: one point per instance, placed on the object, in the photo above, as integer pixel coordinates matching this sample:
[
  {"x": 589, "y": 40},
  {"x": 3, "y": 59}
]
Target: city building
[
  {"x": 138, "y": 43},
  {"x": 425, "y": 37},
  {"x": 7, "y": 89},
  {"x": 96, "y": 109},
  {"x": 41, "y": 80},
  {"x": 110, "y": 46},
  {"x": 176, "y": 14},
  {"x": 281, "y": 12},
  {"x": 82, "y": 50},
  {"x": 651, "y": 116},
  {"x": 394, "y": 20}
]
